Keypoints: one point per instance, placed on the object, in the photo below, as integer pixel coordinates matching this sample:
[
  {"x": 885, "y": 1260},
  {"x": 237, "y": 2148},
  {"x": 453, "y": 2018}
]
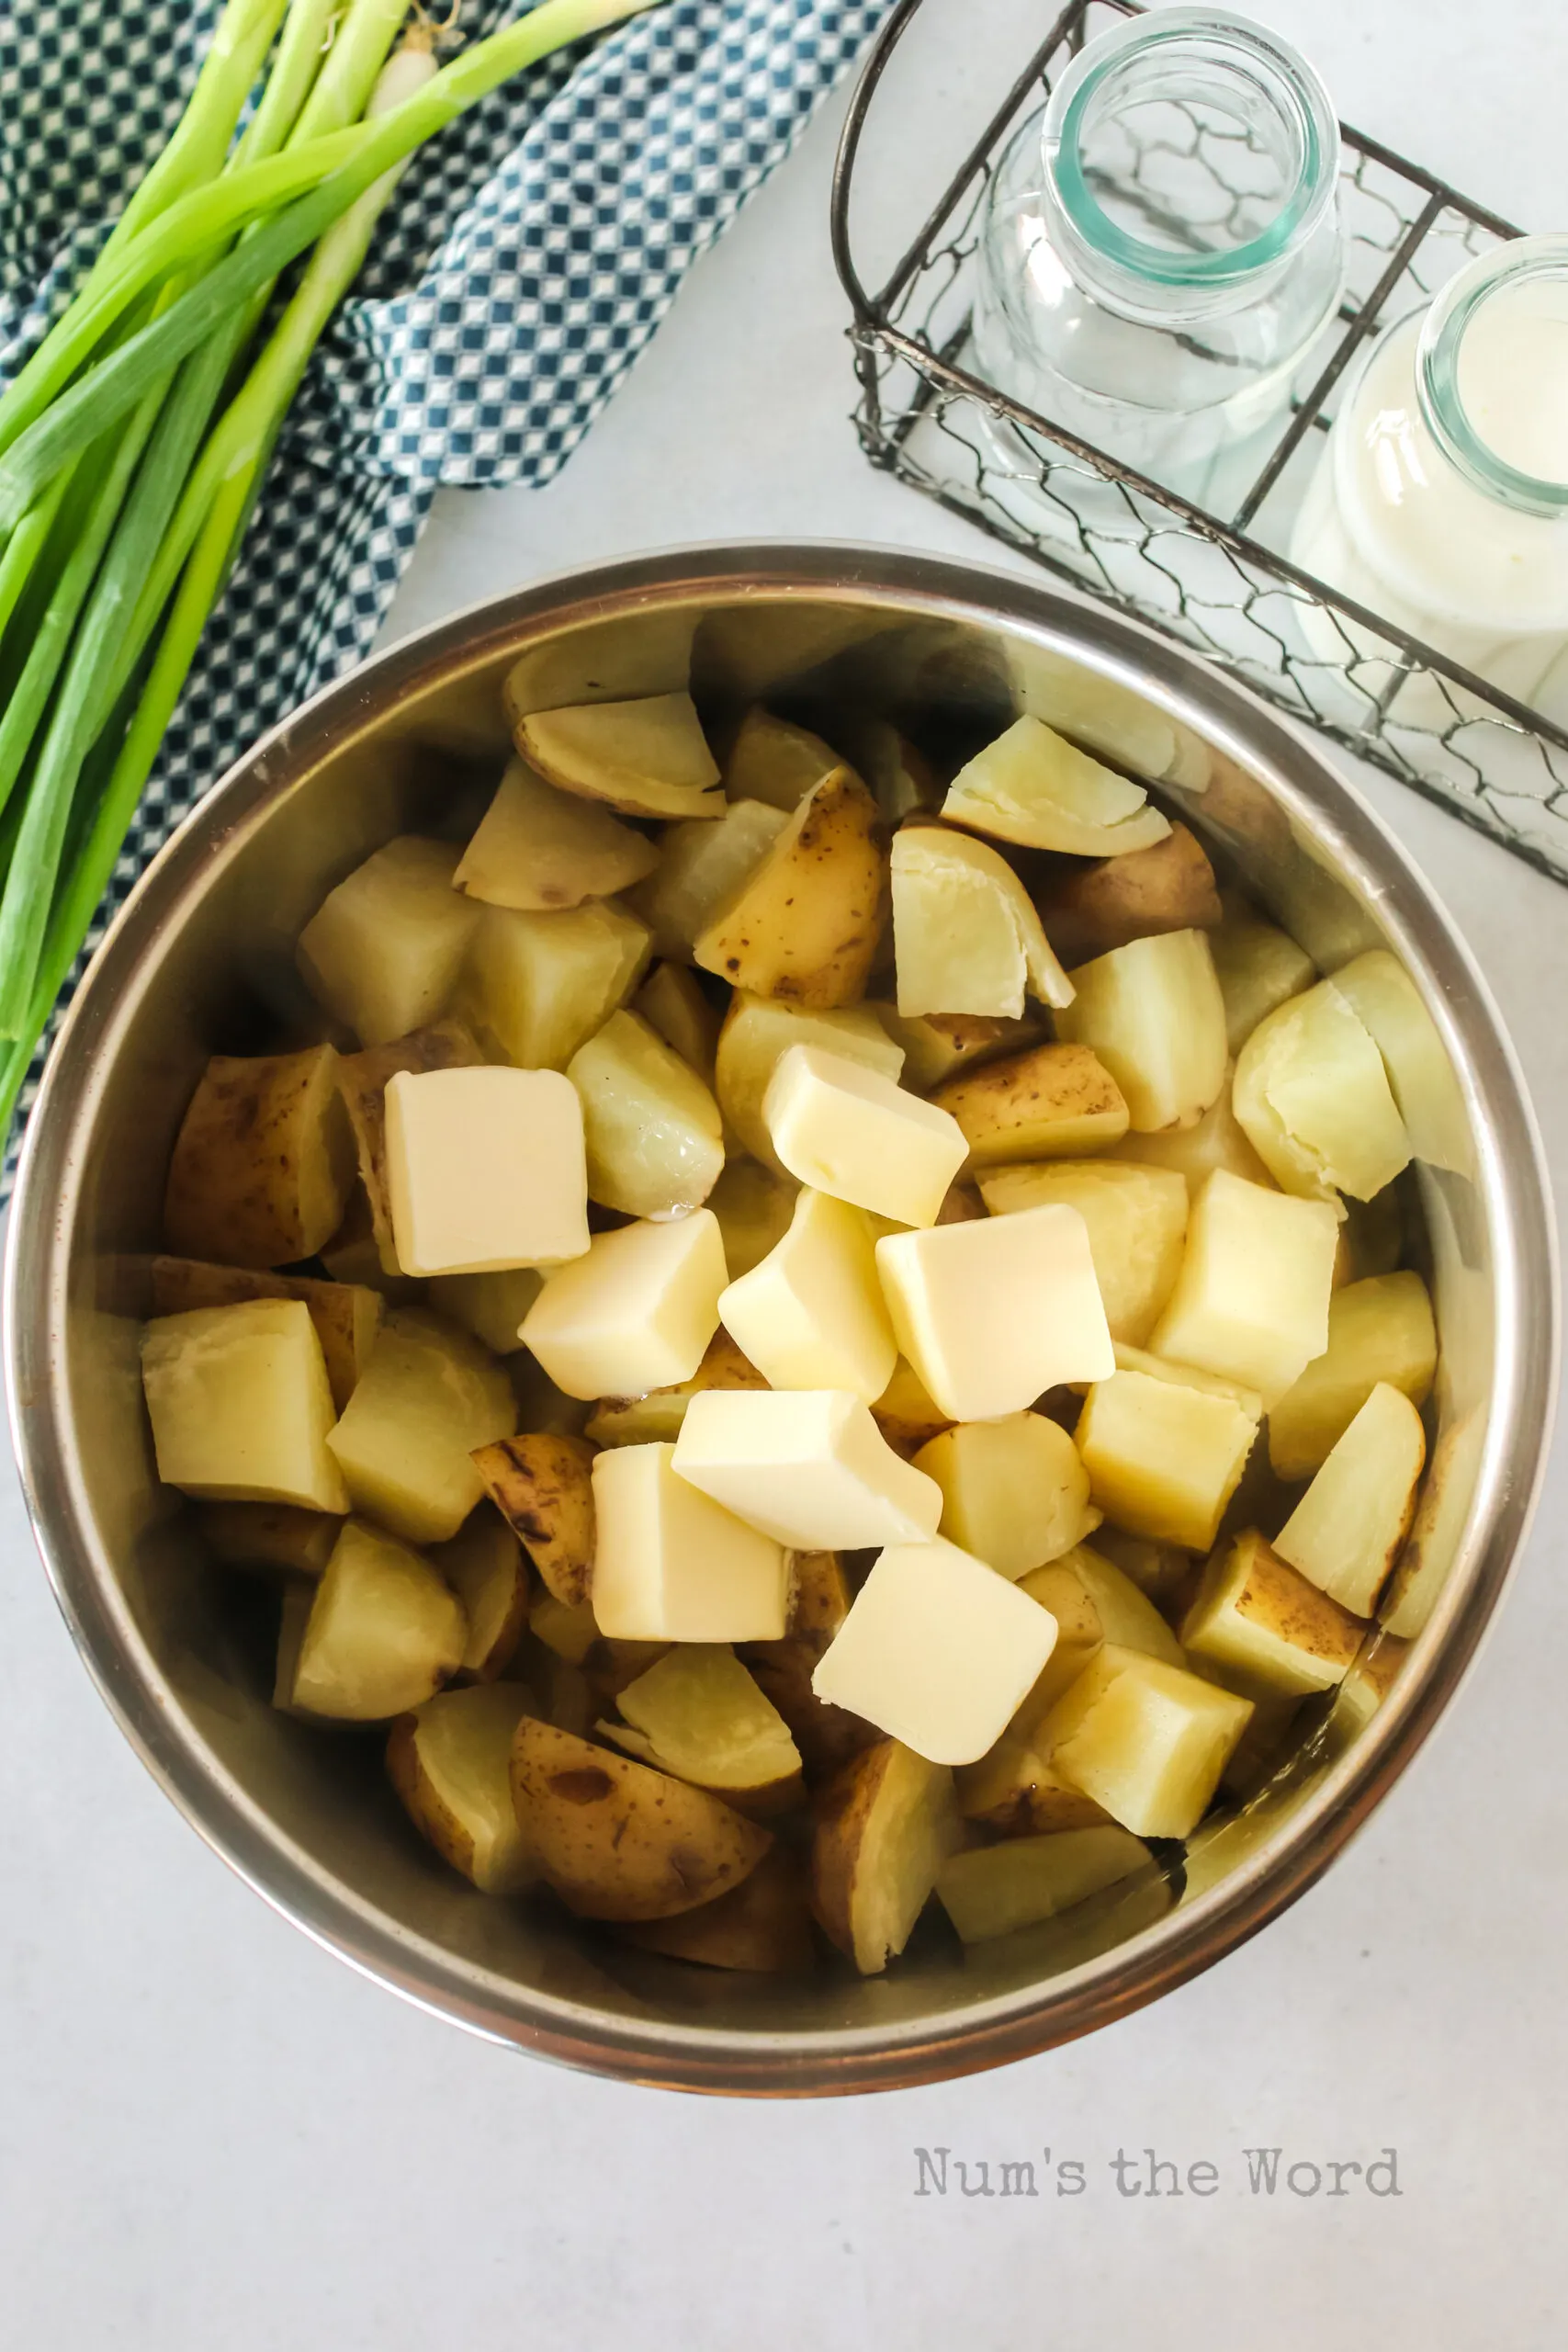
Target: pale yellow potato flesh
[
  {"x": 1265, "y": 1628},
  {"x": 754, "y": 1206},
  {"x": 994, "y": 1890},
  {"x": 1146, "y": 1740},
  {"x": 241, "y": 1406},
  {"x": 1013, "y": 1491},
  {"x": 966, "y": 938},
  {"x": 1137, "y": 1228},
  {"x": 705, "y": 1720},
  {"x": 490, "y": 1306},
  {"x": 670, "y": 1001},
  {"x": 773, "y": 761},
  {"x": 883, "y": 1828},
  {"x": 1152, "y": 1012},
  {"x": 939, "y": 1046},
  {"x": 1033, "y": 787},
  {"x": 449, "y": 1762},
  {"x": 1251, "y": 1299},
  {"x": 347, "y": 1316},
  {"x": 651, "y": 1129},
  {"x": 806, "y": 923},
  {"x": 429, "y": 1394},
  {"x": 1051, "y": 1103},
  {"x": 540, "y": 1482},
  {"x": 483, "y": 1563},
  {"x": 702, "y": 866},
  {"x": 1217, "y": 1140},
  {"x": 569, "y": 1629},
  {"x": 1258, "y": 967},
  {"x": 904, "y": 1413},
  {"x": 756, "y": 1034},
  {"x": 1431, "y": 1103},
  {"x": 1379, "y": 1330},
  {"x": 384, "y": 951},
  {"x": 540, "y": 848},
  {"x": 1349, "y": 1528},
  {"x": 1164, "y": 1460},
  {"x": 538, "y": 986},
  {"x": 384, "y": 1632},
  {"x": 1313, "y": 1094},
  {"x": 646, "y": 758},
  {"x": 262, "y": 1163},
  {"x": 1017, "y": 1790}
]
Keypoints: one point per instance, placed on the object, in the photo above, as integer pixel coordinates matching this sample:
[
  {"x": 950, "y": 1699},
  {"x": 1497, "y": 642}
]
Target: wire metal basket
[{"x": 1217, "y": 582}]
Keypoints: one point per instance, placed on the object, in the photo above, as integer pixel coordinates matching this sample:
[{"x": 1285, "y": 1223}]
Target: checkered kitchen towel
[{"x": 528, "y": 256}]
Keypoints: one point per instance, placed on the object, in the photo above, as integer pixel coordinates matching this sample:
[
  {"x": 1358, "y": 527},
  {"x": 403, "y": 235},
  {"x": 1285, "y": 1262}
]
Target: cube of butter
[
  {"x": 807, "y": 1466},
  {"x": 671, "y": 1566},
  {"x": 994, "y": 1312},
  {"x": 1251, "y": 1301},
  {"x": 636, "y": 1313},
  {"x": 847, "y": 1130},
  {"x": 486, "y": 1170},
  {"x": 240, "y": 1405},
  {"x": 937, "y": 1650},
  {"x": 811, "y": 1313}
]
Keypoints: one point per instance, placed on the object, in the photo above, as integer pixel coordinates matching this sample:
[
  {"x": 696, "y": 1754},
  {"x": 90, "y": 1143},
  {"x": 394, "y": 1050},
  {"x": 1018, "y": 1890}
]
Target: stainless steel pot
[{"x": 305, "y": 1816}]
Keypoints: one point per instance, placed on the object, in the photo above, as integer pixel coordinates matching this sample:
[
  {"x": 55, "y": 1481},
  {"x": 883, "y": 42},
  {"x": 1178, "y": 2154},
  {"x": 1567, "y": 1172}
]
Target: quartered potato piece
[
  {"x": 538, "y": 848},
  {"x": 698, "y": 1713},
  {"x": 670, "y": 1001},
  {"x": 1033, "y": 787},
  {"x": 1346, "y": 1532},
  {"x": 484, "y": 1565},
  {"x": 241, "y": 1406},
  {"x": 653, "y": 1133},
  {"x": 671, "y": 1566},
  {"x": 1265, "y": 1627},
  {"x": 656, "y": 1416},
  {"x": 268, "y": 1535},
  {"x": 384, "y": 1632},
  {"x": 1259, "y": 968},
  {"x": 1146, "y": 1740},
  {"x": 902, "y": 779},
  {"x": 1216, "y": 1141},
  {"x": 753, "y": 1207},
  {"x": 758, "y": 1032},
  {"x": 384, "y": 950},
  {"x": 347, "y": 1316},
  {"x": 905, "y": 1414},
  {"x": 1386, "y": 1000},
  {"x": 540, "y": 985},
  {"x": 1164, "y": 1460},
  {"x": 885, "y": 1826},
  {"x": 1013, "y": 1491},
  {"x": 569, "y": 1630},
  {"x": 429, "y": 1394},
  {"x": 1152, "y": 1012},
  {"x": 827, "y": 1736},
  {"x": 806, "y": 923},
  {"x": 262, "y": 1163},
  {"x": 1095, "y": 1602},
  {"x": 1168, "y": 887},
  {"x": 819, "y": 1596},
  {"x": 763, "y": 1925},
  {"x": 646, "y": 758},
  {"x": 1053, "y": 1102},
  {"x": 995, "y": 1889},
  {"x": 542, "y": 1485},
  {"x": 939, "y": 1046},
  {"x": 490, "y": 1306},
  {"x": 1017, "y": 1790},
  {"x": 700, "y": 868},
  {"x": 966, "y": 938},
  {"x": 774, "y": 761},
  {"x": 617, "y": 1840},
  {"x": 1379, "y": 1330},
  {"x": 1137, "y": 1227},
  {"x": 1313, "y": 1094},
  {"x": 363, "y": 1080},
  {"x": 449, "y": 1761},
  {"x": 1251, "y": 1300}
]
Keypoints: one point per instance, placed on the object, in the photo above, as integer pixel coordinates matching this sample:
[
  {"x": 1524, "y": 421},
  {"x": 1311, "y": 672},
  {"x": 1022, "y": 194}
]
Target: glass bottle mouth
[
  {"x": 1528, "y": 275},
  {"x": 1233, "y": 192}
]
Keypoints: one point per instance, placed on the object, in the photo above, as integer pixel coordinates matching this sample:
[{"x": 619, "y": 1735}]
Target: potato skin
[
  {"x": 429, "y": 1812},
  {"x": 363, "y": 1078},
  {"x": 884, "y": 1826},
  {"x": 617, "y": 1840},
  {"x": 542, "y": 1486},
  {"x": 1008, "y": 1109},
  {"x": 763, "y": 1925},
  {"x": 1168, "y": 887},
  {"x": 262, "y": 1163},
  {"x": 808, "y": 923}
]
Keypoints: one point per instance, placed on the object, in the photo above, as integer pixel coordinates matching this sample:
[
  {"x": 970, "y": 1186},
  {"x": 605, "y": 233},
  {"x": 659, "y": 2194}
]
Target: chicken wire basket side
[{"x": 1217, "y": 582}]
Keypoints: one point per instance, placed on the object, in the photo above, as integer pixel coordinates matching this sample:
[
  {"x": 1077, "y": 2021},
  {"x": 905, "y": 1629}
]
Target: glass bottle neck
[{"x": 1492, "y": 375}]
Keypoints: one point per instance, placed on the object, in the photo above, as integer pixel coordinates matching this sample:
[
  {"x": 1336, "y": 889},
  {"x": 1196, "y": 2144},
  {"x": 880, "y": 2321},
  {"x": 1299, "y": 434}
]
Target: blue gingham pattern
[{"x": 526, "y": 258}]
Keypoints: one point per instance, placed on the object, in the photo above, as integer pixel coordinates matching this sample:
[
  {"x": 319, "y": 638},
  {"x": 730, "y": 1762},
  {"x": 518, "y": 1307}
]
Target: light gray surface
[{"x": 212, "y": 2134}]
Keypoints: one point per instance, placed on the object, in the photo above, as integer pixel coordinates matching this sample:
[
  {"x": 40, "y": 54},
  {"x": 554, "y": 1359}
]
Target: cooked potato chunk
[
  {"x": 1016, "y": 1790},
  {"x": 1163, "y": 1461},
  {"x": 428, "y": 1396},
  {"x": 763, "y": 1925},
  {"x": 540, "y": 985},
  {"x": 806, "y": 923},
  {"x": 542, "y": 1485},
  {"x": 670, "y": 1001},
  {"x": 484, "y": 1565},
  {"x": 938, "y": 1045},
  {"x": 490, "y": 1306},
  {"x": 995, "y": 1889},
  {"x": 656, "y": 1417},
  {"x": 756, "y": 1035},
  {"x": 1013, "y": 1491},
  {"x": 819, "y": 1596},
  {"x": 1251, "y": 1300},
  {"x": 653, "y": 1131},
  {"x": 1137, "y": 1227},
  {"x": 885, "y": 1826},
  {"x": 1217, "y": 1141},
  {"x": 568, "y": 1632},
  {"x": 1158, "y": 1570},
  {"x": 1267, "y": 1628},
  {"x": 1146, "y": 1740},
  {"x": 449, "y": 1761},
  {"x": 270, "y": 1535},
  {"x": 753, "y": 1207},
  {"x": 903, "y": 781},
  {"x": 1258, "y": 969},
  {"x": 1032, "y": 786},
  {"x": 698, "y": 1715},
  {"x": 703, "y": 865},
  {"x": 826, "y": 1735},
  {"x": 617, "y": 1840},
  {"x": 646, "y": 758},
  {"x": 773, "y": 761},
  {"x": 264, "y": 1160},
  {"x": 1379, "y": 1330},
  {"x": 1168, "y": 887},
  {"x": 1312, "y": 1093},
  {"x": 812, "y": 1314},
  {"x": 241, "y": 1406},
  {"x": 1152, "y": 1012},
  {"x": 1385, "y": 999},
  {"x": 1053, "y": 1102},
  {"x": 383, "y": 1635},
  {"x": 966, "y": 938},
  {"x": 1094, "y": 1601},
  {"x": 347, "y": 1316},
  {"x": 363, "y": 1081},
  {"x": 905, "y": 1414},
  {"x": 540, "y": 848},
  {"x": 384, "y": 950},
  {"x": 1346, "y": 1533}
]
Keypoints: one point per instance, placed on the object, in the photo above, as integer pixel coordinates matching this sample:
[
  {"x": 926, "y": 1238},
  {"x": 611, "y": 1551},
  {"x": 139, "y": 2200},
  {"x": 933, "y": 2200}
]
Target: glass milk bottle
[
  {"x": 1161, "y": 247},
  {"x": 1442, "y": 497}
]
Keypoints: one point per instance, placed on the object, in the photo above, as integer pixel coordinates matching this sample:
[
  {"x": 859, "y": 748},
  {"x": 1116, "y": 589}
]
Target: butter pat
[
  {"x": 1251, "y": 1300},
  {"x": 937, "y": 1651},
  {"x": 993, "y": 1313},
  {"x": 811, "y": 1314},
  {"x": 671, "y": 1566},
  {"x": 486, "y": 1170},
  {"x": 808, "y": 1466},
  {"x": 847, "y": 1130},
  {"x": 636, "y": 1313}
]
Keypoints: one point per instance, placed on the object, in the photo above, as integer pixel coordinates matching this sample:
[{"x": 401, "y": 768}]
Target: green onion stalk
[{"x": 134, "y": 442}]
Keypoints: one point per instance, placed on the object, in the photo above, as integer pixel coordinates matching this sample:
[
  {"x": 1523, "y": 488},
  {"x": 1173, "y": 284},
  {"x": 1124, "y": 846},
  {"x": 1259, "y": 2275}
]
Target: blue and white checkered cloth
[{"x": 528, "y": 257}]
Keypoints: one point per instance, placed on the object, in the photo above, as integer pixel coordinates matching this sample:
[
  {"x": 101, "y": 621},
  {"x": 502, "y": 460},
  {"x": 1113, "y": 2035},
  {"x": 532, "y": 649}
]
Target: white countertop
[{"x": 213, "y": 2134}]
